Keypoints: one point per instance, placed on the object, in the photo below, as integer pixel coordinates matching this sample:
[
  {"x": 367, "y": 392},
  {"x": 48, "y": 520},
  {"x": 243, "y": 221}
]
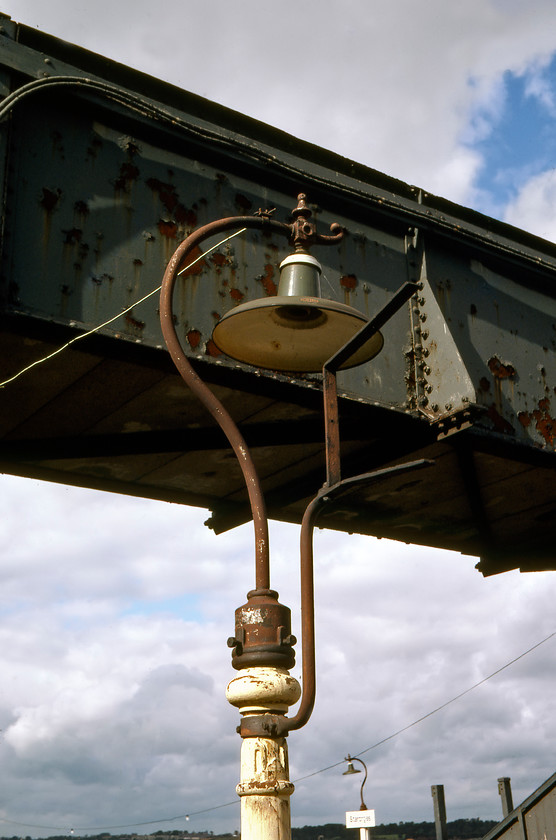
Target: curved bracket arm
[
  {"x": 302, "y": 232},
  {"x": 351, "y": 759},
  {"x": 203, "y": 392}
]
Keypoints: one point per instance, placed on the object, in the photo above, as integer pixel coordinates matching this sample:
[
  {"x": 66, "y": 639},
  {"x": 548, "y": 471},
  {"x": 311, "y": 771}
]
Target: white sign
[{"x": 360, "y": 819}]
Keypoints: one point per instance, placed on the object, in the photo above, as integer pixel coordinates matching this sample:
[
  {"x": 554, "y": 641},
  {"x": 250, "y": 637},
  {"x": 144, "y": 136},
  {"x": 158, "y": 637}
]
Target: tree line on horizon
[{"x": 471, "y": 828}]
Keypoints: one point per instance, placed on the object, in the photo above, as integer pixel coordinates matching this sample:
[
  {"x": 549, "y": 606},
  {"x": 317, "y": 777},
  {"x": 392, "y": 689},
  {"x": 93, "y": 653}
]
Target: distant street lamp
[
  {"x": 363, "y": 818},
  {"x": 351, "y": 771},
  {"x": 296, "y": 330}
]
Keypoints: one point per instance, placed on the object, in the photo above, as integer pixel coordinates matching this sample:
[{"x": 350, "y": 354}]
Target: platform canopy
[{"x": 106, "y": 170}]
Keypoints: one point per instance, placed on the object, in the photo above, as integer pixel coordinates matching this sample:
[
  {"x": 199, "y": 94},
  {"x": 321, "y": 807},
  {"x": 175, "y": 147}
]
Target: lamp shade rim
[
  {"x": 302, "y": 301},
  {"x": 293, "y": 333}
]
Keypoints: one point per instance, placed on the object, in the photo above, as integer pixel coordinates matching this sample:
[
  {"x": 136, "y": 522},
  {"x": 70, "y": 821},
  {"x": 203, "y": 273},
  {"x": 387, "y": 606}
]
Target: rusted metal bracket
[
  {"x": 331, "y": 367},
  {"x": 268, "y": 725},
  {"x": 455, "y": 421}
]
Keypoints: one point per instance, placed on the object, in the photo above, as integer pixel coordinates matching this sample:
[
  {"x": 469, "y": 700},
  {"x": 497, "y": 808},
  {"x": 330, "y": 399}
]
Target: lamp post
[
  {"x": 296, "y": 330},
  {"x": 351, "y": 771},
  {"x": 360, "y": 820}
]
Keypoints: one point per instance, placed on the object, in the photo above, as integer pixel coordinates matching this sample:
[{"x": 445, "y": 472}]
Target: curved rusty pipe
[
  {"x": 308, "y": 665},
  {"x": 203, "y": 392}
]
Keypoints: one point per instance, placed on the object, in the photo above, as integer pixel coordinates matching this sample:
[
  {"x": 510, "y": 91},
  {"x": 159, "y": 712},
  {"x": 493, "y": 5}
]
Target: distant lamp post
[
  {"x": 296, "y": 330},
  {"x": 363, "y": 819},
  {"x": 351, "y": 771}
]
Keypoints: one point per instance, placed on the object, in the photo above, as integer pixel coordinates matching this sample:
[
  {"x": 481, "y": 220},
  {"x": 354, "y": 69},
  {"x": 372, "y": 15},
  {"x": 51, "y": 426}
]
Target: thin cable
[
  {"x": 126, "y": 825},
  {"x": 438, "y": 708},
  {"x": 309, "y": 775},
  {"x": 115, "y": 318}
]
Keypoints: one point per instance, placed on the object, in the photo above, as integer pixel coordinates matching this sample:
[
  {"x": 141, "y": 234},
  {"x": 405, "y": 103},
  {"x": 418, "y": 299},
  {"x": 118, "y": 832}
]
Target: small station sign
[{"x": 360, "y": 819}]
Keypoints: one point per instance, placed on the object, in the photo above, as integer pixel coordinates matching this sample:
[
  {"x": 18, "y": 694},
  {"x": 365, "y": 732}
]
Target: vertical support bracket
[{"x": 330, "y": 370}]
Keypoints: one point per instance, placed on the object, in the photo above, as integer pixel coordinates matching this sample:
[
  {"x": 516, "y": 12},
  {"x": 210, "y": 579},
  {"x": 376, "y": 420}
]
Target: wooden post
[
  {"x": 437, "y": 792},
  {"x": 505, "y": 791}
]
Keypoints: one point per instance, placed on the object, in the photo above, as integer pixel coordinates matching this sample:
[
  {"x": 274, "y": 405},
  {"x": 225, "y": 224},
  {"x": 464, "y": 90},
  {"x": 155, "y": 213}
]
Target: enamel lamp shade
[
  {"x": 297, "y": 330},
  {"x": 351, "y": 771}
]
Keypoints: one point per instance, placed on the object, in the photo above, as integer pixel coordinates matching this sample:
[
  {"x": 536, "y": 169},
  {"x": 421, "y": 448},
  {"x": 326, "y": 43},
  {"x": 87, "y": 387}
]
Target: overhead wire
[
  {"x": 308, "y": 775},
  {"x": 434, "y": 711}
]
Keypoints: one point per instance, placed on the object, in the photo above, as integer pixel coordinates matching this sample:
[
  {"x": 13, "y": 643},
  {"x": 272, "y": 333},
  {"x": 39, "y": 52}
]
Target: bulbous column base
[{"x": 263, "y": 689}]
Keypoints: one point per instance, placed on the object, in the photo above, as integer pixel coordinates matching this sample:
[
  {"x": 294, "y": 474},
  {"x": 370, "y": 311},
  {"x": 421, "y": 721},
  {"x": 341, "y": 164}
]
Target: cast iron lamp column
[
  {"x": 296, "y": 330},
  {"x": 263, "y": 643}
]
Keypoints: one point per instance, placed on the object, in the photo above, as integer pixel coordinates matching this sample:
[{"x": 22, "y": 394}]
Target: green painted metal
[{"x": 106, "y": 170}]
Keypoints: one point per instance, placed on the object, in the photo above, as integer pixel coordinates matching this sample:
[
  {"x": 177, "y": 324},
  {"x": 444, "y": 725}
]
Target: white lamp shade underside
[{"x": 297, "y": 334}]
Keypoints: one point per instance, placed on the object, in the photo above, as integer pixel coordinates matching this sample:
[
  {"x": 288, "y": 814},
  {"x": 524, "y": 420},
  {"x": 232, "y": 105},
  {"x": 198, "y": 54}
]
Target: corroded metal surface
[{"x": 103, "y": 178}]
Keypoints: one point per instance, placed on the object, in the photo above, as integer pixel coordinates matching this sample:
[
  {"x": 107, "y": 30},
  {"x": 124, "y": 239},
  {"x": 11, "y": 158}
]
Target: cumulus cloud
[
  {"x": 119, "y": 715},
  {"x": 397, "y": 87},
  {"x": 534, "y": 207}
]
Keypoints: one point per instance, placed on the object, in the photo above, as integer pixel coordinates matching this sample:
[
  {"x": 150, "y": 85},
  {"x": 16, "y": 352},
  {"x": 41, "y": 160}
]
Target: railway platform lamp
[
  {"x": 293, "y": 331},
  {"x": 364, "y": 818}
]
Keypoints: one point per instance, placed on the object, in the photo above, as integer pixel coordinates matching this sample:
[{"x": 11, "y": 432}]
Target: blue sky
[
  {"x": 519, "y": 138},
  {"x": 112, "y": 638}
]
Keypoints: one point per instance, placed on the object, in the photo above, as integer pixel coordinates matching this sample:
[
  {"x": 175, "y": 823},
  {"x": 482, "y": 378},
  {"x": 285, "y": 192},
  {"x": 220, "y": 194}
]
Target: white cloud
[
  {"x": 399, "y": 87},
  {"x": 121, "y": 716},
  {"x": 534, "y": 207}
]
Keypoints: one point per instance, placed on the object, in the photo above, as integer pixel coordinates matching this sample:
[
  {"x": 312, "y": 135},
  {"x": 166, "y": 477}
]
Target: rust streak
[
  {"x": 196, "y": 269},
  {"x": 219, "y": 259},
  {"x": 167, "y": 228},
  {"x": 348, "y": 281},
  {"x": 72, "y": 236},
  {"x": 134, "y": 322},
  {"x": 50, "y": 199},
  {"x": 545, "y": 424},
  {"x": 170, "y": 200},
  {"x": 193, "y": 338},
  {"x": 128, "y": 173},
  {"x": 500, "y": 370},
  {"x": 81, "y": 208},
  {"x": 243, "y": 204},
  {"x": 267, "y": 280},
  {"x": 212, "y": 349},
  {"x": 500, "y": 423}
]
